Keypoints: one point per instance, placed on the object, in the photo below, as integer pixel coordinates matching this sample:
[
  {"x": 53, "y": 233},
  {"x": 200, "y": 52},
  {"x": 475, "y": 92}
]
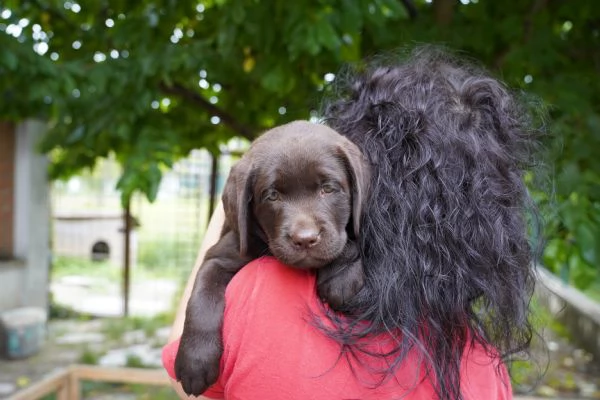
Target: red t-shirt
[{"x": 273, "y": 352}]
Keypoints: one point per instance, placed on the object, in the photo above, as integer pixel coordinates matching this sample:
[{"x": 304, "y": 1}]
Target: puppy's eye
[
  {"x": 271, "y": 195},
  {"x": 327, "y": 188}
]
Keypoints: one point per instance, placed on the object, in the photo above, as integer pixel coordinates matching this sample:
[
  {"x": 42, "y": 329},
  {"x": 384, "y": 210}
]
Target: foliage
[
  {"x": 135, "y": 361},
  {"x": 157, "y": 255},
  {"x": 89, "y": 357},
  {"x": 150, "y": 80},
  {"x": 145, "y": 79}
]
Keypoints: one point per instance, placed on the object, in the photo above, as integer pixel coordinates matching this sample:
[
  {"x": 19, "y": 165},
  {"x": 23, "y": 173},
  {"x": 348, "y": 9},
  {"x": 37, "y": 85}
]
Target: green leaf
[
  {"x": 154, "y": 177},
  {"x": 587, "y": 240},
  {"x": 9, "y": 59},
  {"x": 275, "y": 79},
  {"x": 326, "y": 35},
  {"x": 582, "y": 274},
  {"x": 76, "y": 135}
]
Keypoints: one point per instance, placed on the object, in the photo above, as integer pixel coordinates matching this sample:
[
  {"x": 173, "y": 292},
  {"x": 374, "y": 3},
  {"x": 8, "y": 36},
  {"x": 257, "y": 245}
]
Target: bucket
[{"x": 22, "y": 332}]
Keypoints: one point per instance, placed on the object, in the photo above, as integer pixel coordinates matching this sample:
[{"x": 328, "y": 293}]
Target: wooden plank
[
  {"x": 65, "y": 383},
  {"x": 122, "y": 375},
  {"x": 63, "y": 392},
  {"x": 51, "y": 384},
  {"x": 74, "y": 387}
]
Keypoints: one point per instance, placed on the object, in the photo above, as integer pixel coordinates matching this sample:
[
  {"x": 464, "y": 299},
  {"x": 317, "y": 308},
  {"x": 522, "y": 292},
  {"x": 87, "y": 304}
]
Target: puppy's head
[{"x": 300, "y": 190}]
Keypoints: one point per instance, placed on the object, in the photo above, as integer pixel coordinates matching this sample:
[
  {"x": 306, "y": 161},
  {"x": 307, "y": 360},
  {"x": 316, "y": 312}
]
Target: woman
[{"x": 445, "y": 250}]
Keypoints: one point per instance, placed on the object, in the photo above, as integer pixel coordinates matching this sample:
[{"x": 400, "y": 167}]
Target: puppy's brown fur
[{"x": 297, "y": 194}]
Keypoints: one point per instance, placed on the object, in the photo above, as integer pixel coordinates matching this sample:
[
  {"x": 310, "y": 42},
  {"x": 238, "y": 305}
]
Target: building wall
[
  {"x": 24, "y": 278},
  {"x": 7, "y": 170}
]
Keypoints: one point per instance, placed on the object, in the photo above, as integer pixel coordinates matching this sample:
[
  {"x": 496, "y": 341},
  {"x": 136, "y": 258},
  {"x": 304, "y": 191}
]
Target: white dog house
[{"x": 97, "y": 236}]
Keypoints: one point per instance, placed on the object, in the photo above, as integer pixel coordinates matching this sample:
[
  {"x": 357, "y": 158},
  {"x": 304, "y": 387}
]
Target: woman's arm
[{"x": 213, "y": 232}]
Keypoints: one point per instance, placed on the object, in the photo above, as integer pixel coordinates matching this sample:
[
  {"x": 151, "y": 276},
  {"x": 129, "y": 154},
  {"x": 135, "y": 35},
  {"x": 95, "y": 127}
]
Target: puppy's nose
[{"x": 305, "y": 237}]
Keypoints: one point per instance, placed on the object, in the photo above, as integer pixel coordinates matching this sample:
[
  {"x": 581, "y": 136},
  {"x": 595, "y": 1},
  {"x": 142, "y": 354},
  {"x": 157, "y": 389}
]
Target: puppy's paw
[
  {"x": 337, "y": 284},
  {"x": 198, "y": 360}
]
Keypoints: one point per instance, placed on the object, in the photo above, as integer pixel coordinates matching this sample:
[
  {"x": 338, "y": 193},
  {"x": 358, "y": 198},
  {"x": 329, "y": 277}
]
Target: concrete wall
[{"x": 24, "y": 279}]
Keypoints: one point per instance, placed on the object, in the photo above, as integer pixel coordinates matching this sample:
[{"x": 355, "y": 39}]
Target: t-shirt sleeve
[{"x": 235, "y": 318}]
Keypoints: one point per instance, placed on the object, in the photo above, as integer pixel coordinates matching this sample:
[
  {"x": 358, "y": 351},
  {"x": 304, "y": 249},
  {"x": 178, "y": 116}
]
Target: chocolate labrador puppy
[{"x": 297, "y": 194}]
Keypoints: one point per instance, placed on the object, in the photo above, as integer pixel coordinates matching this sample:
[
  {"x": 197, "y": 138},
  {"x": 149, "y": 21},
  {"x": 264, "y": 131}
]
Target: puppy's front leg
[
  {"x": 342, "y": 279},
  {"x": 200, "y": 349}
]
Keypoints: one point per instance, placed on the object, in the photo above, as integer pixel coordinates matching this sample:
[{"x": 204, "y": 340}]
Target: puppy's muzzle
[
  {"x": 303, "y": 232},
  {"x": 305, "y": 238}
]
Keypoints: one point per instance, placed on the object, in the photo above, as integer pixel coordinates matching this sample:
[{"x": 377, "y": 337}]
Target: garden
[{"x": 130, "y": 92}]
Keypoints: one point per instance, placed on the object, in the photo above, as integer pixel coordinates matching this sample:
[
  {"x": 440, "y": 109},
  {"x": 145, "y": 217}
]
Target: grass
[
  {"x": 63, "y": 266},
  {"x": 90, "y": 357},
  {"x": 70, "y": 265},
  {"x": 114, "y": 329}
]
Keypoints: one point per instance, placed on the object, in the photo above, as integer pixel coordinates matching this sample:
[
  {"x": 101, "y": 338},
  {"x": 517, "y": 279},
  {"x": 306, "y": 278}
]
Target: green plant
[
  {"x": 59, "y": 311},
  {"x": 593, "y": 291},
  {"x": 115, "y": 328},
  {"x": 527, "y": 373},
  {"x": 89, "y": 356},
  {"x": 72, "y": 265},
  {"x": 134, "y": 361},
  {"x": 161, "y": 254}
]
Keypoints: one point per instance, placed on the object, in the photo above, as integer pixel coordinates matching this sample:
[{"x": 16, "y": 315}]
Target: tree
[{"x": 150, "y": 80}]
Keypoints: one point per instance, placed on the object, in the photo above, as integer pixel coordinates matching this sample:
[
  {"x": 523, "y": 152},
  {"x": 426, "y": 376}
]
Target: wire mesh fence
[{"x": 89, "y": 246}]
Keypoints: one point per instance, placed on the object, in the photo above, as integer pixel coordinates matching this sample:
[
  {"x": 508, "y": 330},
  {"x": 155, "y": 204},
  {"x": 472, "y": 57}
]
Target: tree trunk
[{"x": 443, "y": 11}]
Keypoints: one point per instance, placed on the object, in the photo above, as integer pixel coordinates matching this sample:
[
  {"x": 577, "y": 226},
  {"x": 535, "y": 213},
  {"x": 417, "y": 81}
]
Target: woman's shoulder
[{"x": 269, "y": 277}]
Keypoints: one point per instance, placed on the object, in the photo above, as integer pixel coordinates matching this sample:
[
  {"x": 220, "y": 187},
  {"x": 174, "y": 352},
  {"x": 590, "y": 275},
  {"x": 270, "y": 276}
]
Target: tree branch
[{"x": 197, "y": 99}]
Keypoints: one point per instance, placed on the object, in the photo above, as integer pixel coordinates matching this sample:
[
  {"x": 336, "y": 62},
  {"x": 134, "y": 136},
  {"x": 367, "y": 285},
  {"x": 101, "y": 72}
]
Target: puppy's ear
[
  {"x": 237, "y": 196},
  {"x": 360, "y": 175}
]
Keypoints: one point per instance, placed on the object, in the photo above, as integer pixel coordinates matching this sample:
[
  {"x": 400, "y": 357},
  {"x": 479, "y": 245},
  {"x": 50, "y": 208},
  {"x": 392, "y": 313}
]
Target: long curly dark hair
[{"x": 445, "y": 234}]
